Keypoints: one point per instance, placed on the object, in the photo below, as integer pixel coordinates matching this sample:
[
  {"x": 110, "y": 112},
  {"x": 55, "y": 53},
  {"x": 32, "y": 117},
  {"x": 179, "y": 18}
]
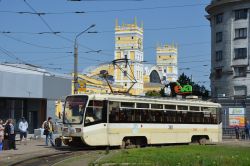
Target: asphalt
[
  {"x": 32, "y": 148},
  {"x": 36, "y": 147}
]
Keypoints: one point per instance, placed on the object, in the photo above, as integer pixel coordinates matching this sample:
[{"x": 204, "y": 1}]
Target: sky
[{"x": 26, "y": 36}]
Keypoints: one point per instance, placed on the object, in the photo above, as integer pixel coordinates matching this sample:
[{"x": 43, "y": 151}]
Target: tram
[{"x": 120, "y": 120}]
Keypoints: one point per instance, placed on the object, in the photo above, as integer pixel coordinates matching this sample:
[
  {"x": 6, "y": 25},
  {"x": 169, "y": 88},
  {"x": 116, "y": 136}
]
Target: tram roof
[{"x": 145, "y": 99}]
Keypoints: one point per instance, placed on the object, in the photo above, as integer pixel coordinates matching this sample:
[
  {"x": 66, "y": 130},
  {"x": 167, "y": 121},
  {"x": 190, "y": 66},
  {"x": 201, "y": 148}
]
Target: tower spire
[
  {"x": 135, "y": 21},
  {"x": 116, "y": 22}
]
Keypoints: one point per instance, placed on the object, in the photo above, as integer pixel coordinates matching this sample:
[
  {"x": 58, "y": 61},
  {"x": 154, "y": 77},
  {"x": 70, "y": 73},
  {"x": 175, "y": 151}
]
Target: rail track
[{"x": 54, "y": 159}]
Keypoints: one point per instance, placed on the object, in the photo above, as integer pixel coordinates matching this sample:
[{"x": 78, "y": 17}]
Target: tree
[
  {"x": 197, "y": 89},
  {"x": 153, "y": 93}
]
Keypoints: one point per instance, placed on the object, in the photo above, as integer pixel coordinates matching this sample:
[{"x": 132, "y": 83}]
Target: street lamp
[{"x": 76, "y": 58}]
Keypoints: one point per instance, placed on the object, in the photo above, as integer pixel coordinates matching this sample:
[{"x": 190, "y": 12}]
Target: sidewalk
[{"x": 33, "y": 148}]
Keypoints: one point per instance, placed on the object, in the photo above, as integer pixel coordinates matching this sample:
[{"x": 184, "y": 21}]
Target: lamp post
[{"x": 76, "y": 58}]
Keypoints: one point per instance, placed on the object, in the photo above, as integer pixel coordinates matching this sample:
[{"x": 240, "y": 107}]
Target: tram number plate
[{"x": 170, "y": 127}]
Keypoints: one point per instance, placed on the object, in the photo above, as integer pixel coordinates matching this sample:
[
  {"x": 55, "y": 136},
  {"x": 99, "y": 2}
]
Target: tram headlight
[{"x": 78, "y": 130}]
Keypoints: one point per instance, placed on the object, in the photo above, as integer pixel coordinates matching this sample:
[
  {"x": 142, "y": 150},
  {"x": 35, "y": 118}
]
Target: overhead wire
[
  {"x": 106, "y": 31},
  {"x": 102, "y": 11},
  {"x": 49, "y": 27},
  {"x": 11, "y": 55},
  {"x": 51, "y": 30},
  {"x": 32, "y": 44}
]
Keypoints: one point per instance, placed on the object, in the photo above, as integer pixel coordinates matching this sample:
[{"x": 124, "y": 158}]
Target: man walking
[
  {"x": 237, "y": 132},
  {"x": 48, "y": 131},
  {"x": 23, "y": 128}
]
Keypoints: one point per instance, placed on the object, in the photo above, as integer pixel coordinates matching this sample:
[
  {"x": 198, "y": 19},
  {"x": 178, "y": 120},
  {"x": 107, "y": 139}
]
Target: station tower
[
  {"x": 166, "y": 61},
  {"x": 129, "y": 45}
]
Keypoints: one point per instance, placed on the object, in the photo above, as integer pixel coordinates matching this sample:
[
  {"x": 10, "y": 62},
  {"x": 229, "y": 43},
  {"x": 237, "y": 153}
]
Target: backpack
[{"x": 46, "y": 125}]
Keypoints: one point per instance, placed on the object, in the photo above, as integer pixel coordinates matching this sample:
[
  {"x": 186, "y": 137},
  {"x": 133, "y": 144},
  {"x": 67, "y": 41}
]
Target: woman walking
[
  {"x": 9, "y": 132},
  {"x": 1, "y": 134}
]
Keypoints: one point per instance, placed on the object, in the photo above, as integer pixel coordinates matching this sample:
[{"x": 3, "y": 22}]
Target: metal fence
[{"x": 230, "y": 133}]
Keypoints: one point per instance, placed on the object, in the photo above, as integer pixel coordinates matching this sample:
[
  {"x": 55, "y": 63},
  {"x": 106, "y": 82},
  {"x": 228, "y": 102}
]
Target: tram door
[{"x": 96, "y": 123}]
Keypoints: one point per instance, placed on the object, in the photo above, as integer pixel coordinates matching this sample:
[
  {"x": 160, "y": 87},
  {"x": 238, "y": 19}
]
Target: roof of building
[
  {"x": 217, "y": 3},
  {"x": 29, "y": 69}
]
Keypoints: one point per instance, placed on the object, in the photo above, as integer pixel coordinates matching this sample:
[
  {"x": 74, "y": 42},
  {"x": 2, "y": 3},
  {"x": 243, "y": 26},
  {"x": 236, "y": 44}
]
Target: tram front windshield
[{"x": 74, "y": 109}]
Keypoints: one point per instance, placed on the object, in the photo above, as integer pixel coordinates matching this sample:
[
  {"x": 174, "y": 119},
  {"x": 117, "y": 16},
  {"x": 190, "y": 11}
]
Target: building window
[
  {"x": 240, "y": 53},
  {"x": 218, "y": 37},
  {"x": 125, "y": 73},
  {"x": 218, "y": 56},
  {"x": 240, "y": 71},
  {"x": 219, "y": 18},
  {"x": 240, "y": 33},
  {"x": 218, "y": 73},
  {"x": 165, "y": 71},
  {"x": 170, "y": 69},
  {"x": 240, "y": 90},
  {"x": 241, "y": 14}
]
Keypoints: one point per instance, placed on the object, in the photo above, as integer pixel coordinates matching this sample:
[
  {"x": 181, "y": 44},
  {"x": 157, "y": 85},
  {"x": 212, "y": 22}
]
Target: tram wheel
[
  {"x": 203, "y": 141},
  {"x": 58, "y": 142},
  {"x": 65, "y": 141}
]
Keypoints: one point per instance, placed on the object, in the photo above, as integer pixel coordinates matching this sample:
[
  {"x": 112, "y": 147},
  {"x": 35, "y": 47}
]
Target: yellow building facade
[
  {"x": 129, "y": 45},
  {"x": 166, "y": 61}
]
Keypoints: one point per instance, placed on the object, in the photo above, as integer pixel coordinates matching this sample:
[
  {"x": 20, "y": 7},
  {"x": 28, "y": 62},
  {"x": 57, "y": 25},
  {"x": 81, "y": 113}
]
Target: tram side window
[
  {"x": 170, "y": 116},
  {"x": 194, "y": 108},
  {"x": 182, "y": 107},
  {"x": 142, "y": 105},
  {"x": 127, "y": 104},
  {"x": 145, "y": 116},
  {"x": 94, "y": 113},
  {"x": 158, "y": 116},
  {"x": 207, "y": 117},
  {"x": 170, "y": 107},
  {"x": 157, "y": 106},
  {"x": 213, "y": 117},
  {"x": 113, "y": 111},
  {"x": 137, "y": 115},
  {"x": 130, "y": 115}
]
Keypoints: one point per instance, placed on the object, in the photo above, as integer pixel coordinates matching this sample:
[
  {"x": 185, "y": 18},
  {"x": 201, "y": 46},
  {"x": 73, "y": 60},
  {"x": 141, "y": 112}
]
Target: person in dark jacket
[
  {"x": 237, "y": 131},
  {"x": 9, "y": 133}
]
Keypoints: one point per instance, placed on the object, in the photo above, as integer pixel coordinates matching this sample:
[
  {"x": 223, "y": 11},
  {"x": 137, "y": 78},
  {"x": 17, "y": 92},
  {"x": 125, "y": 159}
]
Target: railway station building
[{"x": 31, "y": 92}]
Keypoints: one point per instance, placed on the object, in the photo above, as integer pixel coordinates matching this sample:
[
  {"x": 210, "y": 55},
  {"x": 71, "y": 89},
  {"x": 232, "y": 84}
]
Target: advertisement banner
[
  {"x": 237, "y": 117},
  {"x": 81, "y": 86},
  {"x": 236, "y": 111}
]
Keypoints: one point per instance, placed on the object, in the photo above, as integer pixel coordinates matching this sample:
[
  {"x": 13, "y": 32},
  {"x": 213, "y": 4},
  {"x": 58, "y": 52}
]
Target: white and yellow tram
[{"x": 120, "y": 120}]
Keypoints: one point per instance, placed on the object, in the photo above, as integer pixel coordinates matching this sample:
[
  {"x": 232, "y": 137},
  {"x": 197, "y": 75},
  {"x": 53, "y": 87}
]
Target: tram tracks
[{"x": 54, "y": 159}]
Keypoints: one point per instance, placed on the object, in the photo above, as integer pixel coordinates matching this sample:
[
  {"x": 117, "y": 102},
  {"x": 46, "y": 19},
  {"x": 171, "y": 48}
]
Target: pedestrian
[
  {"x": 247, "y": 130},
  {"x": 9, "y": 132},
  {"x": 23, "y": 128},
  {"x": 237, "y": 131},
  {"x": 48, "y": 131},
  {"x": 1, "y": 134}
]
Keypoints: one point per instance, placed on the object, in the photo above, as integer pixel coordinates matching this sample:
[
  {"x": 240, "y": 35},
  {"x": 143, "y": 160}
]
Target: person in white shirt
[{"x": 23, "y": 127}]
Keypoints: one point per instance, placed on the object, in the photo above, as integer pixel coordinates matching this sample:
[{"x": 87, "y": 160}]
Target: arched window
[{"x": 154, "y": 77}]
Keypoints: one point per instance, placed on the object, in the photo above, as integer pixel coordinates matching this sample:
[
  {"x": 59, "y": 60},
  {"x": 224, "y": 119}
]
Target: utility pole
[{"x": 76, "y": 58}]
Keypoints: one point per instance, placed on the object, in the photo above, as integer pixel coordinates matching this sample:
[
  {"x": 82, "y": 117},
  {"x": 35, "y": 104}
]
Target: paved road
[{"x": 35, "y": 148}]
